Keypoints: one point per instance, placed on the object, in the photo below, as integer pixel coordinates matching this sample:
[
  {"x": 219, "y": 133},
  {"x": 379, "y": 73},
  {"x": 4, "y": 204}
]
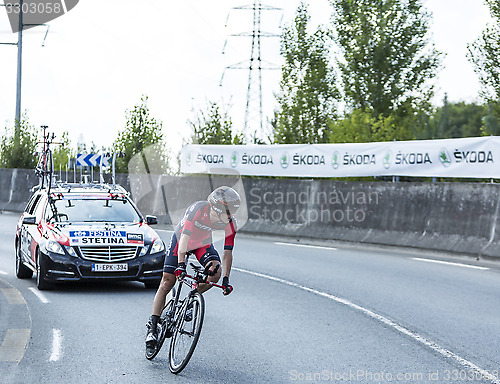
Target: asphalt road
[{"x": 298, "y": 314}]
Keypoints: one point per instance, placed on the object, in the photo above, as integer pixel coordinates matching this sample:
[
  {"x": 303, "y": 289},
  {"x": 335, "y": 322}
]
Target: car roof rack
[{"x": 81, "y": 187}]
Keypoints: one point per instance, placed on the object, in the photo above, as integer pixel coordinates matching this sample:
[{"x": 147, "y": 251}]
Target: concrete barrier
[
  {"x": 167, "y": 197},
  {"x": 456, "y": 217},
  {"x": 15, "y": 188}
]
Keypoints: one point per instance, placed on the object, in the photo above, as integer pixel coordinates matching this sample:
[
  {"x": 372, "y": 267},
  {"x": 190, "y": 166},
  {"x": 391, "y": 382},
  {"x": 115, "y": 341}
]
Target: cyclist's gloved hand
[
  {"x": 228, "y": 288},
  {"x": 180, "y": 271}
]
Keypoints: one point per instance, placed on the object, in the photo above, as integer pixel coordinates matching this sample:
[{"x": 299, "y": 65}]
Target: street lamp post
[
  {"x": 17, "y": 131},
  {"x": 19, "y": 70}
]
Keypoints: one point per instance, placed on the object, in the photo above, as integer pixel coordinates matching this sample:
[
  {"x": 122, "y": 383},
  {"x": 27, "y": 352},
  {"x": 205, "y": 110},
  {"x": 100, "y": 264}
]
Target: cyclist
[{"x": 194, "y": 235}]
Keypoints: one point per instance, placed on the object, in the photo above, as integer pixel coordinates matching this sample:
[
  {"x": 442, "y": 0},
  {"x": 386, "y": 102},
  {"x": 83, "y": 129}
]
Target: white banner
[{"x": 477, "y": 157}]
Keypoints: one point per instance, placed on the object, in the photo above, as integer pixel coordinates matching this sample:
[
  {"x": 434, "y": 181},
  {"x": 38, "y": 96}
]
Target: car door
[
  {"x": 30, "y": 234},
  {"x": 23, "y": 234}
]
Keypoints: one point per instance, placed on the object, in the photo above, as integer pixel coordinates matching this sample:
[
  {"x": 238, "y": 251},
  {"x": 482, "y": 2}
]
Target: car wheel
[
  {"x": 41, "y": 271},
  {"x": 22, "y": 271}
]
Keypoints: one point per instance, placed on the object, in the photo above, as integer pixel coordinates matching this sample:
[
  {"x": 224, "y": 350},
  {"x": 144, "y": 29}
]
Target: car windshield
[{"x": 92, "y": 210}]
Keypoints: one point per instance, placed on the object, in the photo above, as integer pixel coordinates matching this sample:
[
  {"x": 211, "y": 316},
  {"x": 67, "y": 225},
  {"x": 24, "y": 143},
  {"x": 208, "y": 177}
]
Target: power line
[{"x": 255, "y": 65}]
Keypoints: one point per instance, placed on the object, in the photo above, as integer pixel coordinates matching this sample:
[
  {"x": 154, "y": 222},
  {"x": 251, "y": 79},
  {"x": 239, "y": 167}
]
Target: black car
[{"x": 87, "y": 232}]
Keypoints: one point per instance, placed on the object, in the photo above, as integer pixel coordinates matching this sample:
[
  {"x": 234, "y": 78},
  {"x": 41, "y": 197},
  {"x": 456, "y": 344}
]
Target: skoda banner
[{"x": 477, "y": 157}]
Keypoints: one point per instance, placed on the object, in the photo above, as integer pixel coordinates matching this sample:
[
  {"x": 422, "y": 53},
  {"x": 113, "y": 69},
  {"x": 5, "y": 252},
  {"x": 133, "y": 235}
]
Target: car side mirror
[
  {"x": 151, "y": 220},
  {"x": 29, "y": 220}
]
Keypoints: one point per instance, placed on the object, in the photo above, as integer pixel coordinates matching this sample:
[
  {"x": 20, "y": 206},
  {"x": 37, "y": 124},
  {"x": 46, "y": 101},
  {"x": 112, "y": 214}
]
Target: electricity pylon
[{"x": 255, "y": 65}]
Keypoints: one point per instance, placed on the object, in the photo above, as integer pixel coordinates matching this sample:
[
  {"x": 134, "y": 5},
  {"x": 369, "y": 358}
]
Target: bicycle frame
[{"x": 193, "y": 282}]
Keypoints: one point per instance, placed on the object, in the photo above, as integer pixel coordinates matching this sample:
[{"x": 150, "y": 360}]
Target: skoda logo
[
  {"x": 387, "y": 159},
  {"x": 189, "y": 160},
  {"x": 285, "y": 158},
  {"x": 335, "y": 160},
  {"x": 445, "y": 157},
  {"x": 234, "y": 159}
]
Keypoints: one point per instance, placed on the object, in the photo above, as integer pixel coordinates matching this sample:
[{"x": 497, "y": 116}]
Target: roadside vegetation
[{"x": 369, "y": 75}]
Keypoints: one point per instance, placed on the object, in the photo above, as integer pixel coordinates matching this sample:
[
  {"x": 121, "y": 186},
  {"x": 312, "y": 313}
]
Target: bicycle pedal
[
  {"x": 168, "y": 334},
  {"x": 189, "y": 315},
  {"x": 151, "y": 339}
]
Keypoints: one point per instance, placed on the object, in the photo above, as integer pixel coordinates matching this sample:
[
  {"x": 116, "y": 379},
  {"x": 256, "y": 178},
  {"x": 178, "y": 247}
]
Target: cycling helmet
[{"x": 224, "y": 199}]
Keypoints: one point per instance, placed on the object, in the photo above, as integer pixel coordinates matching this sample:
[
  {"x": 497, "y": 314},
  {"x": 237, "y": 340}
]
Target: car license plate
[{"x": 109, "y": 267}]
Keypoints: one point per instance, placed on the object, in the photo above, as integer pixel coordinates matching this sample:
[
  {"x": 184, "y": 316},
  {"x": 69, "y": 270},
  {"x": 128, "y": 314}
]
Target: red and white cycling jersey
[{"x": 196, "y": 223}]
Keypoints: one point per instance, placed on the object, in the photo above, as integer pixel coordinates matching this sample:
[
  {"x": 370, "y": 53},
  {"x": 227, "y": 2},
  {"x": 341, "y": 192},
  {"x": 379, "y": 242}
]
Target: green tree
[
  {"x": 62, "y": 152},
  {"x": 141, "y": 131},
  {"x": 463, "y": 119},
  {"x": 491, "y": 124},
  {"x": 452, "y": 120},
  {"x": 386, "y": 57},
  {"x": 424, "y": 127},
  {"x": 362, "y": 127},
  {"x": 19, "y": 151},
  {"x": 307, "y": 90},
  {"x": 443, "y": 126},
  {"x": 211, "y": 126},
  {"x": 484, "y": 54}
]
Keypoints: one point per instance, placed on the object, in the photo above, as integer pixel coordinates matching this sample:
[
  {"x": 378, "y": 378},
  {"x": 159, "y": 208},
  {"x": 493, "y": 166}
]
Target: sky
[{"x": 102, "y": 56}]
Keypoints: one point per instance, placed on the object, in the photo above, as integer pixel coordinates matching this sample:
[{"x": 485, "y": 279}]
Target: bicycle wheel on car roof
[
  {"x": 45, "y": 169},
  {"x": 186, "y": 333}
]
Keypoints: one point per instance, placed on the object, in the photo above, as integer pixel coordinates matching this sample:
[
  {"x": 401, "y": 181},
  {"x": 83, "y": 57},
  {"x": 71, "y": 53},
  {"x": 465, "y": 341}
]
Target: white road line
[
  {"x": 450, "y": 263},
  {"x": 13, "y": 296},
  {"x": 14, "y": 345},
  {"x": 413, "y": 335},
  {"x": 40, "y": 295},
  {"x": 305, "y": 245},
  {"x": 3, "y": 273},
  {"x": 56, "y": 345}
]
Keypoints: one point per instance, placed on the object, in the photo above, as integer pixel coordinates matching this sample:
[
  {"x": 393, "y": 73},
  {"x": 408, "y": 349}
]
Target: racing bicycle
[
  {"x": 45, "y": 166},
  {"x": 182, "y": 318}
]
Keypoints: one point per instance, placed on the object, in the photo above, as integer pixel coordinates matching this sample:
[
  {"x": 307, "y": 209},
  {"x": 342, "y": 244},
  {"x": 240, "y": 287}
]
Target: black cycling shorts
[{"x": 204, "y": 255}]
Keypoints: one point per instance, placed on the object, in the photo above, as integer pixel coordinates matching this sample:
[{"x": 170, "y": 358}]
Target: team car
[{"x": 87, "y": 232}]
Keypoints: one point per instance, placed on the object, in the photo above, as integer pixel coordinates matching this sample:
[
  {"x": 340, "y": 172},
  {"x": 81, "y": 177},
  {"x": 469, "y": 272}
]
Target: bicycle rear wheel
[
  {"x": 162, "y": 329},
  {"x": 186, "y": 334},
  {"x": 45, "y": 169}
]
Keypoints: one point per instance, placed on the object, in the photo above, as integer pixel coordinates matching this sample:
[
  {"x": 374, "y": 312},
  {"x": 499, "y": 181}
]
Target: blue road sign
[{"x": 91, "y": 160}]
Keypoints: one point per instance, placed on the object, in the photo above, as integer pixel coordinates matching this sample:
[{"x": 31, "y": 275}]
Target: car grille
[{"x": 108, "y": 253}]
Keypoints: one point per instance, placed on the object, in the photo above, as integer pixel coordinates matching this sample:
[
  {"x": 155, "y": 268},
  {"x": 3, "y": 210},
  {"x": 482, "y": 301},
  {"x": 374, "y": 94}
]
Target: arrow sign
[{"x": 91, "y": 160}]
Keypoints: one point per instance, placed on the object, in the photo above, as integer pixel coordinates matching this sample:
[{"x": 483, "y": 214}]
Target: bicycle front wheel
[
  {"x": 186, "y": 333},
  {"x": 50, "y": 169}
]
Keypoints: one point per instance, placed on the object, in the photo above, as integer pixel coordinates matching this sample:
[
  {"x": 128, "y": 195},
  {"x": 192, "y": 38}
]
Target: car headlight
[
  {"x": 144, "y": 250},
  {"x": 70, "y": 250},
  {"x": 54, "y": 247},
  {"x": 158, "y": 246}
]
